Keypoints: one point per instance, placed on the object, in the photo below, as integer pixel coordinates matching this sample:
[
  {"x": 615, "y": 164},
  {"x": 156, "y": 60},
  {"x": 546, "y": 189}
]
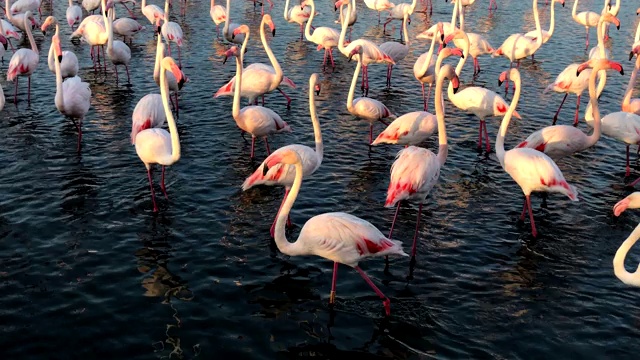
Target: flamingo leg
[
  {"x": 266, "y": 143},
  {"x": 635, "y": 182},
  {"x": 428, "y": 96},
  {"x": 286, "y": 97},
  {"x": 115, "y": 67},
  {"x": 587, "y": 46},
  {"x": 628, "y": 172},
  {"x": 384, "y": 26},
  {"x": 370, "y": 133},
  {"x": 273, "y": 226},
  {"x": 364, "y": 76},
  {"x": 385, "y": 300},
  {"x": 128, "y": 77},
  {"x": 393, "y": 223},
  {"x": 301, "y": 31},
  {"x": 486, "y": 134},
  {"x": 534, "y": 232},
  {"x": 350, "y": 31},
  {"x": 253, "y": 145},
  {"x": 480, "y": 135},
  {"x": 324, "y": 61},
  {"x": 179, "y": 57},
  {"x": 524, "y": 210},
  {"x": 162, "y": 185},
  {"x": 177, "y": 107},
  {"x": 153, "y": 194},
  {"x": 415, "y": 235},
  {"x": 555, "y": 117},
  {"x": 334, "y": 279},
  {"x": 333, "y": 64},
  {"x": 366, "y": 82},
  {"x": 575, "y": 119},
  {"x": 104, "y": 59}
]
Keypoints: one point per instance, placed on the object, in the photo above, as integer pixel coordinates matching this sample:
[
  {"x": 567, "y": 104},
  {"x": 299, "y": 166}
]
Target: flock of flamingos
[{"x": 341, "y": 237}]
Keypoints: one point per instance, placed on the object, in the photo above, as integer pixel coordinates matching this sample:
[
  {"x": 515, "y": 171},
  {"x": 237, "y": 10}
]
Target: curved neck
[
  {"x": 312, "y": 14},
  {"x": 173, "y": 129},
  {"x": 443, "y": 149},
  {"x": 279, "y": 236},
  {"x": 632, "y": 83},
  {"x": 405, "y": 32},
  {"x": 618, "y": 260},
  {"x": 317, "y": 133},
  {"x": 272, "y": 58},
  {"x": 593, "y": 99},
  {"x": 461, "y": 14},
  {"x": 235, "y": 111},
  {"x": 159, "y": 56},
  {"x": 7, "y": 10},
  {"x": 600, "y": 33},
  {"x": 32, "y": 41},
  {"x": 427, "y": 61},
  {"x": 454, "y": 16},
  {"x": 352, "y": 89},
  {"x": 70, "y": 3},
  {"x": 59, "y": 98},
  {"x": 637, "y": 37},
  {"x": 227, "y": 20},
  {"x": 286, "y": 9},
  {"x": 574, "y": 11},
  {"x": 144, "y": 3},
  {"x": 343, "y": 31},
  {"x": 465, "y": 53},
  {"x": 507, "y": 117},
  {"x": 552, "y": 24},
  {"x": 536, "y": 18}
]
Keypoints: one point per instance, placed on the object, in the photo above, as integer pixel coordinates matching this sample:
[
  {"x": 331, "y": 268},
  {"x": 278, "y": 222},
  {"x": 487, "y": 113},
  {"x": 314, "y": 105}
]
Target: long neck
[
  {"x": 536, "y": 18},
  {"x": 618, "y": 260},
  {"x": 454, "y": 16},
  {"x": 272, "y": 58},
  {"x": 144, "y": 3},
  {"x": 637, "y": 37},
  {"x": 70, "y": 3},
  {"x": 307, "y": 29},
  {"x": 280, "y": 237},
  {"x": 414, "y": 3},
  {"x": 552, "y": 24},
  {"x": 593, "y": 98},
  {"x": 235, "y": 111},
  {"x": 286, "y": 9},
  {"x": 166, "y": 11},
  {"x": 173, "y": 129},
  {"x": 443, "y": 149},
  {"x": 616, "y": 9},
  {"x": 317, "y": 133},
  {"x": 7, "y": 10},
  {"x": 227, "y": 21},
  {"x": 59, "y": 98},
  {"x": 632, "y": 83},
  {"x": 405, "y": 33},
  {"x": 461, "y": 14},
  {"x": 505, "y": 121},
  {"x": 109, "y": 27},
  {"x": 600, "y": 33},
  {"x": 574, "y": 11},
  {"x": 159, "y": 55},
  {"x": 343, "y": 31},
  {"x": 27, "y": 27},
  {"x": 465, "y": 54},
  {"x": 427, "y": 61},
  {"x": 50, "y": 60},
  {"x": 352, "y": 89}
]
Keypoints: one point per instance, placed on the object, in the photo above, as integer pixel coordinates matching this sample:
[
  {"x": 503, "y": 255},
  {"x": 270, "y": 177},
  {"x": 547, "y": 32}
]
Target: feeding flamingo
[
  {"x": 218, "y": 14},
  {"x": 24, "y": 61},
  {"x": 258, "y": 121},
  {"x": 172, "y": 32},
  {"x": 74, "y": 14},
  {"x": 155, "y": 145},
  {"x": 409, "y": 129},
  {"x": 148, "y": 113},
  {"x": 22, "y": 6},
  {"x": 8, "y": 31},
  {"x": 396, "y": 51},
  {"x": 416, "y": 170},
  {"x": 531, "y": 169},
  {"x": 18, "y": 20},
  {"x": 69, "y": 64},
  {"x": 91, "y": 5},
  {"x": 281, "y": 174},
  {"x": 297, "y": 15},
  {"x": 325, "y": 37},
  {"x": 340, "y": 237}
]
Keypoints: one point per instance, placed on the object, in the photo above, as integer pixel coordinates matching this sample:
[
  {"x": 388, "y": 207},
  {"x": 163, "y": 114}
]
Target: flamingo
[
  {"x": 172, "y": 32},
  {"x": 8, "y": 31},
  {"x": 18, "y": 20},
  {"x": 4, "y": 42},
  {"x": 630, "y": 202},
  {"x": 379, "y": 6},
  {"x": 22, "y": 6},
  {"x": 152, "y": 12},
  {"x": 24, "y": 61},
  {"x": 628, "y": 104},
  {"x": 296, "y": 15},
  {"x": 416, "y": 170},
  {"x": 174, "y": 84},
  {"x": 218, "y": 14},
  {"x": 258, "y": 121},
  {"x": 125, "y": 26},
  {"x": 477, "y": 100},
  {"x": 531, "y": 169},
  {"x": 93, "y": 30},
  {"x": 444, "y": 28},
  {"x": 340, "y": 237},
  {"x": 599, "y": 51},
  {"x": 546, "y": 35},
  {"x": 229, "y": 28},
  {"x": 409, "y": 129},
  {"x": 397, "y": 12},
  {"x": 343, "y": 14},
  {"x": 364, "y": 107},
  {"x": 613, "y": 11},
  {"x": 74, "y": 15},
  {"x": 148, "y": 113},
  {"x": 559, "y": 141},
  {"x": 585, "y": 18},
  {"x": 325, "y": 37},
  {"x": 260, "y": 78},
  {"x": 91, "y": 5},
  {"x": 155, "y": 145},
  {"x": 396, "y": 51},
  {"x": 69, "y": 63},
  {"x": 371, "y": 52},
  {"x": 478, "y": 45},
  {"x": 73, "y": 97},
  {"x": 118, "y": 52},
  {"x": 283, "y": 175}
]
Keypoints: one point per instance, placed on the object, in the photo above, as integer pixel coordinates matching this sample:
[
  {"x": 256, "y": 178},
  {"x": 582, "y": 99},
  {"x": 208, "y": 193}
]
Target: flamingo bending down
[
  {"x": 118, "y": 52},
  {"x": 559, "y": 141},
  {"x": 258, "y": 121},
  {"x": 18, "y": 20},
  {"x": 343, "y": 15},
  {"x": 396, "y": 51},
  {"x": 628, "y": 104},
  {"x": 24, "y": 61},
  {"x": 586, "y": 18},
  {"x": 371, "y": 53},
  {"x": 379, "y": 6},
  {"x": 364, "y": 107},
  {"x": 281, "y": 174},
  {"x": 416, "y": 170},
  {"x": 477, "y": 100},
  {"x": 259, "y": 78},
  {"x": 630, "y": 202},
  {"x": 69, "y": 63},
  {"x": 531, "y": 169},
  {"x": 74, "y": 15},
  {"x": 152, "y": 12},
  {"x": 297, "y": 15},
  {"x": 229, "y": 27},
  {"x": 218, "y": 14},
  {"x": 325, "y": 37},
  {"x": 73, "y": 97},
  {"x": 340, "y": 237},
  {"x": 409, "y": 129},
  {"x": 172, "y": 32},
  {"x": 155, "y": 145},
  {"x": 478, "y": 45},
  {"x": 8, "y": 31}
]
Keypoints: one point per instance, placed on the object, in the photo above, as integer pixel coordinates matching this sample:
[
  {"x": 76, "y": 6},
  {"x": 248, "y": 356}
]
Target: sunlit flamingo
[
  {"x": 443, "y": 28},
  {"x": 152, "y": 12},
  {"x": 125, "y": 26},
  {"x": 297, "y": 15},
  {"x": 363, "y": 107},
  {"x": 283, "y": 175},
  {"x": 530, "y": 168},
  {"x": 74, "y": 14},
  {"x": 559, "y": 141},
  {"x": 18, "y": 20},
  {"x": 424, "y": 63},
  {"x": 586, "y": 18},
  {"x": 340, "y": 237},
  {"x": 174, "y": 84},
  {"x": 260, "y": 78},
  {"x": 546, "y": 35},
  {"x": 22, "y": 6},
  {"x": 8, "y": 31},
  {"x": 629, "y": 104},
  {"x": 73, "y": 96},
  {"x": 218, "y": 14},
  {"x": 24, "y": 61},
  {"x": 599, "y": 51},
  {"x": 256, "y": 120},
  {"x": 156, "y": 145},
  {"x": 325, "y": 37},
  {"x": 343, "y": 14},
  {"x": 93, "y": 30},
  {"x": 409, "y": 129},
  {"x": 630, "y": 202},
  {"x": 118, "y": 52},
  {"x": 613, "y": 11},
  {"x": 371, "y": 53},
  {"x": 416, "y": 170},
  {"x": 172, "y": 32},
  {"x": 398, "y": 12},
  {"x": 379, "y": 6},
  {"x": 478, "y": 44},
  {"x": 229, "y": 27},
  {"x": 396, "y": 51},
  {"x": 69, "y": 63}
]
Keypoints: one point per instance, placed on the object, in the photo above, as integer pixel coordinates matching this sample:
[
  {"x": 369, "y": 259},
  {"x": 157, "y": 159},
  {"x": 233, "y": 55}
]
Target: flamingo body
[
  {"x": 409, "y": 129},
  {"x": 557, "y": 141},
  {"x": 147, "y": 114},
  {"x": 413, "y": 174}
]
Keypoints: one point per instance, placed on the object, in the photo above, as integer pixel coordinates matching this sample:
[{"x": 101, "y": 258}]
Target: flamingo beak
[
  {"x": 630, "y": 54},
  {"x": 273, "y": 32},
  {"x": 317, "y": 88},
  {"x": 621, "y": 206},
  {"x": 60, "y": 58}
]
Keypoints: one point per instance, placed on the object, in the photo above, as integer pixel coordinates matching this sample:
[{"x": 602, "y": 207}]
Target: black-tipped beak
[
  {"x": 618, "y": 27},
  {"x": 273, "y": 33},
  {"x": 455, "y": 89},
  {"x": 408, "y": 21},
  {"x": 562, "y": 4},
  {"x": 5, "y": 46},
  {"x": 350, "y": 57},
  {"x": 577, "y": 73},
  {"x": 335, "y": 8},
  {"x": 462, "y": 56},
  {"x": 159, "y": 30},
  {"x": 181, "y": 83},
  {"x": 444, "y": 44},
  {"x": 442, "y": 37},
  {"x": 44, "y": 32},
  {"x": 499, "y": 82},
  {"x": 224, "y": 60},
  {"x": 245, "y": 51},
  {"x": 621, "y": 71},
  {"x": 318, "y": 92},
  {"x": 60, "y": 58},
  {"x": 265, "y": 170},
  {"x": 609, "y": 6},
  {"x": 630, "y": 54},
  {"x": 233, "y": 36}
]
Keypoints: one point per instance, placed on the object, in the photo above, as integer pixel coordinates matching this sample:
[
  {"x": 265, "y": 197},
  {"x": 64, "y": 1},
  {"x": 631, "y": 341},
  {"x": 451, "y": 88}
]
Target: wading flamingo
[
  {"x": 531, "y": 169},
  {"x": 229, "y": 27},
  {"x": 69, "y": 64},
  {"x": 8, "y": 31},
  {"x": 444, "y": 29},
  {"x": 409, "y": 129},
  {"x": 478, "y": 45},
  {"x": 174, "y": 85},
  {"x": 172, "y": 32},
  {"x": 628, "y": 104},
  {"x": 423, "y": 68},
  {"x": 218, "y": 14},
  {"x": 340, "y": 237},
  {"x": 379, "y": 6},
  {"x": 118, "y": 52},
  {"x": 24, "y": 61},
  {"x": 398, "y": 12},
  {"x": 155, "y": 145},
  {"x": 152, "y": 12},
  {"x": 125, "y": 26},
  {"x": 325, "y": 37},
  {"x": 599, "y": 51},
  {"x": 396, "y": 51},
  {"x": 93, "y": 30},
  {"x": 297, "y": 15},
  {"x": 283, "y": 175},
  {"x": 258, "y": 121},
  {"x": 546, "y": 35},
  {"x": 416, "y": 170},
  {"x": 18, "y": 20},
  {"x": 73, "y": 96},
  {"x": 586, "y": 18},
  {"x": 148, "y": 113},
  {"x": 343, "y": 14},
  {"x": 74, "y": 15},
  {"x": 91, "y": 5}
]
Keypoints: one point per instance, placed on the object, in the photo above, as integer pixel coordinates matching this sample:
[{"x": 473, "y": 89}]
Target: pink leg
[
  {"x": 153, "y": 194},
  {"x": 115, "y": 67},
  {"x": 393, "y": 223},
  {"x": 364, "y": 76},
  {"x": 534, "y": 232},
  {"x": 524, "y": 210},
  {"x": 333, "y": 64},
  {"x": 177, "y": 105},
  {"x": 428, "y": 95},
  {"x": 575, "y": 120},
  {"x": 273, "y": 226},
  {"x": 587, "y": 46},
  {"x": 332, "y": 297},
  {"x": 385, "y": 300},
  {"x": 384, "y": 26},
  {"x": 370, "y": 133},
  {"x": 286, "y": 97},
  {"x": 162, "y": 186},
  {"x": 415, "y": 235},
  {"x": 253, "y": 145},
  {"x": 266, "y": 142},
  {"x": 301, "y": 31},
  {"x": 486, "y": 135},
  {"x": 324, "y": 61},
  {"x": 555, "y": 117},
  {"x": 628, "y": 168},
  {"x": 179, "y": 57},
  {"x": 79, "y": 135},
  {"x": 169, "y": 47},
  {"x": 635, "y": 182}
]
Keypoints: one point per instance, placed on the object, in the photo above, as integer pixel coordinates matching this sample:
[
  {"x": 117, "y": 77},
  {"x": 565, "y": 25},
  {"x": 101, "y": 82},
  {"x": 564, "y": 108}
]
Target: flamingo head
[
  {"x": 244, "y": 29},
  {"x": 50, "y": 20},
  {"x": 356, "y": 51},
  {"x": 305, "y": 3},
  {"x": 612, "y": 19},
  {"x": 287, "y": 157},
  {"x": 233, "y": 51},
  {"x": 600, "y": 64},
  {"x": 3, "y": 41},
  {"x": 450, "y": 37},
  {"x": 57, "y": 49},
  {"x": 634, "y": 51},
  {"x": 441, "y": 31},
  {"x": 446, "y": 52},
  {"x": 630, "y": 202},
  {"x": 340, "y": 3},
  {"x": 267, "y": 20},
  {"x": 562, "y": 2},
  {"x": 638, "y": 11},
  {"x": 169, "y": 64},
  {"x": 313, "y": 82},
  {"x": 455, "y": 81},
  {"x": 504, "y": 76}
]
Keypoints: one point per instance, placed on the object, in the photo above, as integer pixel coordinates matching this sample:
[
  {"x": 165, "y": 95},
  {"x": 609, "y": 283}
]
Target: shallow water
[{"x": 88, "y": 271}]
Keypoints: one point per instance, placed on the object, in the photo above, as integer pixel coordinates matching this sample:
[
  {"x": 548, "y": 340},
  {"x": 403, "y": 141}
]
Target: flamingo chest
[{"x": 23, "y": 69}]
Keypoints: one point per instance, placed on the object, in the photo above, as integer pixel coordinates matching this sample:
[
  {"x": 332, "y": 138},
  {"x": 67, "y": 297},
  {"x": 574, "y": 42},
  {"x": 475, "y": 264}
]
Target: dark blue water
[{"x": 88, "y": 271}]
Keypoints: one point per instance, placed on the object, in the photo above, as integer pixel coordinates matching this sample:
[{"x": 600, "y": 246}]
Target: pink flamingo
[
  {"x": 585, "y": 18},
  {"x": 283, "y": 175},
  {"x": 337, "y": 236},
  {"x": 24, "y": 61},
  {"x": 258, "y": 121},
  {"x": 297, "y": 15},
  {"x": 325, "y": 37},
  {"x": 416, "y": 170},
  {"x": 478, "y": 44},
  {"x": 379, "y": 6},
  {"x": 397, "y": 51},
  {"x": 423, "y": 68},
  {"x": 172, "y": 32},
  {"x": 530, "y": 168},
  {"x": 398, "y": 12},
  {"x": 629, "y": 104},
  {"x": 218, "y": 15},
  {"x": 152, "y": 12},
  {"x": 409, "y": 129},
  {"x": 630, "y": 202}
]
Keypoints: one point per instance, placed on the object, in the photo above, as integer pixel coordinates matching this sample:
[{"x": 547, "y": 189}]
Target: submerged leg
[
  {"x": 286, "y": 97},
  {"x": 332, "y": 297},
  {"x": 162, "y": 186},
  {"x": 385, "y": 300},
  {"x": 534, "y": 232},
  {"x": 575, "y": 119},
  {"x": 415, "y": 235},
  {"x": 153, "y": 194},
  {"x": 253, "y": 145},
  {"x": 555, "y": 117}
]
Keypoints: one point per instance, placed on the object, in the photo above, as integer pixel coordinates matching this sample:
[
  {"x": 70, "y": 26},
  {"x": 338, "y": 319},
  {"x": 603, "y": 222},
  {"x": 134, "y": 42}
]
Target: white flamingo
[
  {"x": 152, "y": 12},
  {"x": 22, "y": 6},
  {"x": 148, "y": 113},
  {"x": 398, "y": 12},
  {"x": 630, "y": 202},
  {"x": 174, "y": 84},
  {"x": 125, "y": 26},
  {"x": 118, "y": 52},
  {"x": 74, "y": 14},
  {"x": 325, "y": 37},
  {"x": 478, "y": 44},
  {"x": 546, "y": 35},
  {"x": 283, "y": 175},
  {"x": 8, "y": 31},
  {"x": 297, "y": 15},
  {"x": 93, "y": 30},
  {"x": 172, "y": 32},
  {"x": 229, "y": 28},
  {"x": 218, "y": 14},
  {"x": 395, "y": 50},
  {"x": 69, "y": 63},
  {"x": 91, "y": 5},
  {"x": 586, "y": 18},
  {"x": 24, "y": 61},
  {"x": 629, "y": 104},
  {"x": 352, "y": 18},
  {"x": 379, "y": 6},
  {"x": 18, "y": 20}
]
